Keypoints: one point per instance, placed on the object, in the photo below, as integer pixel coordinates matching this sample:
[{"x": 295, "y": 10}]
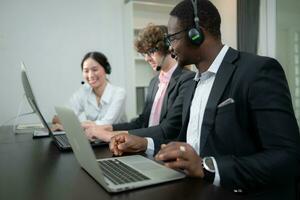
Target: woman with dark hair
[{"x": 97, "y": 101}]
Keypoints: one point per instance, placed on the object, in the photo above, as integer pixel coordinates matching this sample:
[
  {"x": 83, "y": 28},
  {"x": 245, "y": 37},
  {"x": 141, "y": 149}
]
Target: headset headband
[{"x": 196, "y": 18}]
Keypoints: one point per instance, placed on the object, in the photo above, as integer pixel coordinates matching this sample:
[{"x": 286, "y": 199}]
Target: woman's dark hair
[
  {"x": 98, "y": 57},
  {"x": 209, "y": 17}
]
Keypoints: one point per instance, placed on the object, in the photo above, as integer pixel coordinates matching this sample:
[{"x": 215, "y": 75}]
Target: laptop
[
  {"x": 114, "y": 174},
  {"x": 59, "y": 138}
]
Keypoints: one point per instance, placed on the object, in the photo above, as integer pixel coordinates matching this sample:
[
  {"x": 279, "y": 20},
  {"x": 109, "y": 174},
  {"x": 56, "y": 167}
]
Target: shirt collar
[
  {"x": 166, "y": 76},
  {"x": 107, "y": 93},
  {"x": 214, "y": 67}
]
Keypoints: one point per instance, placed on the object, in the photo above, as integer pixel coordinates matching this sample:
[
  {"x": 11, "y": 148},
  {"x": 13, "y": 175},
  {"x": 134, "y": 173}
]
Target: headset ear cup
[
  {"x": 108, "y": 69},
  {"x": 196, "y": 36},
  {"x": 166, "y": 44}
]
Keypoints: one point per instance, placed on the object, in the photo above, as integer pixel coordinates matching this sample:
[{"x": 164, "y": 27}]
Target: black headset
[
  {"x": 166, "y": 44},
  {"x": 104, "y": 62},
  {"x": 166, "y": 47},
  {"x": 195, "y": 34},
  {"x": 107, "y": 67}
]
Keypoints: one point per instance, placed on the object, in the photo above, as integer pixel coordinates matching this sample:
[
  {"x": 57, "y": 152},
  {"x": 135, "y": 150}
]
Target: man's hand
[
  {"x": 179, "y": 155},
  {"x": 125, "y": 143},
  {"x": 93, "y": 131}
]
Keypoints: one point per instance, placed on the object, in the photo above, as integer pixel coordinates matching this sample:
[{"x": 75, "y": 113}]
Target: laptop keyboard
[
  {"x": 120, "y": 173},
  {"x": 63, "y": 140}
]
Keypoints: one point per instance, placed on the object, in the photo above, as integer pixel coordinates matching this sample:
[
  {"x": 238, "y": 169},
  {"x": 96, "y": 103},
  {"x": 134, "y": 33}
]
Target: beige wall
[{"x": 227, "y": 9}]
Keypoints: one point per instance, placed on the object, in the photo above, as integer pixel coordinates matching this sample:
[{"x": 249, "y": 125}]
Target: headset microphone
[
  {"x": 173, "y": 54},
  {"x": 158, "y": 68},
  {"x": 82, "y": 82}
]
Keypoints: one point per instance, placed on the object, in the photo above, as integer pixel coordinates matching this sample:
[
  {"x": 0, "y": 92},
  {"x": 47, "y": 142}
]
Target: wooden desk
[{"x": 36, "y": 169}]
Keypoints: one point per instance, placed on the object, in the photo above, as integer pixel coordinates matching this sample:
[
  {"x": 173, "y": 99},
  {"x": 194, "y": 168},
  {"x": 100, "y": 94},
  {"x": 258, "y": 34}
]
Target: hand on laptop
[
  {"x": 94, "y": 131},
  {"x": 125, "y": 143},
  {"x": 56, "y": 124},
  {"x": 56, "y": 120},
  {"x": 179, "y": 155},
  {"x": 57, "y": 127}
]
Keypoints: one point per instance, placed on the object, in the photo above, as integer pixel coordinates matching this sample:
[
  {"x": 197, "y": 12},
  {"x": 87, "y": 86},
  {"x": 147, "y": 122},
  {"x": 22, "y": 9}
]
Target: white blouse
[{"x": 111, "y": 108}]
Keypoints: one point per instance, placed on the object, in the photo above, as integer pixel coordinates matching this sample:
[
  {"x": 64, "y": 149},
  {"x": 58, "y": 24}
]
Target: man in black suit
[
  {"x": 152, "y": 45},
  {"x": 239, "y": 129}
]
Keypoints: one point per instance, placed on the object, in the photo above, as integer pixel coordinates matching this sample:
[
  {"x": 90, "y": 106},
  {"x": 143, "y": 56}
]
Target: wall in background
[
  {"x": 288, "y": 46},
  {"x": 227, "y": 9},
  {"x": 51, "y": 37}
]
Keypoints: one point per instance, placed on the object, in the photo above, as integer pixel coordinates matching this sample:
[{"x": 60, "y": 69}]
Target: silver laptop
[{"x": 115, "y": 174}]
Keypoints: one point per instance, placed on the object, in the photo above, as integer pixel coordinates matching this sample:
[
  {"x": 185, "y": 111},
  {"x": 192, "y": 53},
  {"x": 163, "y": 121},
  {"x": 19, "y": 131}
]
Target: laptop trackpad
[{"x": 149, "y": 167}]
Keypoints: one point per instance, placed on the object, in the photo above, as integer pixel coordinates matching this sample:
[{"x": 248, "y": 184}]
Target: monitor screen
[{"x": 30, "y": 97}]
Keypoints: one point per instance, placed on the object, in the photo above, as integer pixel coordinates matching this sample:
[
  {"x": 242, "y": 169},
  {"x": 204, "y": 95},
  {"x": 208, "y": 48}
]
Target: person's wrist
[
  {"x": 108, "y": 135},
  {"x": 110, "y": 128},
  {"x": 200, "y": 171},
  {"x": 208, "y": 169},
  {"x": 144, "y": 144}
]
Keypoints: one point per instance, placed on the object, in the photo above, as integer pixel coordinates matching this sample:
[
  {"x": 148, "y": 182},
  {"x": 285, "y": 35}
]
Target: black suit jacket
[
  {"x": 179, "y": 75},
  {"x": 255, "y": 140}
]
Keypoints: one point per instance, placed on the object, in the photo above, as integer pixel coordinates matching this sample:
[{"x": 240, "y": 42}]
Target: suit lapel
[
  {"x": 151, "y": 95},
  {"x": 188, "y": 98},
  {"x": 154, "y": 89},
  {"x": 175, "y": 76},
  {"x": 221, "y": 80},
  {"x": 187, "y": 102}
]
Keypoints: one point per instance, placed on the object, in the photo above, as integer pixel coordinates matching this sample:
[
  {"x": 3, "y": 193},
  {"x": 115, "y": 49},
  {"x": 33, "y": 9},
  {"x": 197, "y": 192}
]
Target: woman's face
[{"x": 93, "y": 73}]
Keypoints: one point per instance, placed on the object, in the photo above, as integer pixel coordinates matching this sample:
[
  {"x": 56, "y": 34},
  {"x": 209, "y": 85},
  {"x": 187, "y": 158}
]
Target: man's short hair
[
  {"x": 209, "y": 17},
  {"x": 152, "y": 37}
]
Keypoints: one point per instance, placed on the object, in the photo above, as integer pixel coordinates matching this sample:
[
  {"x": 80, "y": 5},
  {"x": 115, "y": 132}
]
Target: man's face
[
  {"x": 177, "y": 36},
  {"x": 154, "y": 58}
]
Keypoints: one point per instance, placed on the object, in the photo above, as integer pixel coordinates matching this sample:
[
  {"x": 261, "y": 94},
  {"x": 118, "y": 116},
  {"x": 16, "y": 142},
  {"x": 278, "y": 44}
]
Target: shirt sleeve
[
  {"x": 76, "y": 103},
  {"x": 150, "y": 146},
  {"x": 217, "y": 174}
]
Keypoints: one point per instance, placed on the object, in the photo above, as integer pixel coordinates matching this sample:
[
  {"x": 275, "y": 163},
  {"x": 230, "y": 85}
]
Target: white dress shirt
[
  {"x": 202, "y": 92},
  {"x": 111, "y": 107}
]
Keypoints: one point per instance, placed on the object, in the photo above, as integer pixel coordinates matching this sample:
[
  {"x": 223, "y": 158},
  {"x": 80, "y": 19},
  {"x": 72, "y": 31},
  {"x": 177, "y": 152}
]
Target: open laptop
[
  {"x": 115, "y": 174},
  {"x": 60, "y": 139}
]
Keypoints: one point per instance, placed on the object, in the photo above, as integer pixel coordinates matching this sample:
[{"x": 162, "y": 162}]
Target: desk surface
[{"x": 36, "y": 169}]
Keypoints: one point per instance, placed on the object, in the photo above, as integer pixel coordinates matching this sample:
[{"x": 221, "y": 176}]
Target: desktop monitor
[{"x": 30, "y": 97}]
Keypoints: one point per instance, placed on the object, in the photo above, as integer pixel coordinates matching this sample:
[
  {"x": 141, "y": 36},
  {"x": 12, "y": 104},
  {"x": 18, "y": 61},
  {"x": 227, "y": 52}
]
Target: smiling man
[{"x": 239, "y": 129}]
